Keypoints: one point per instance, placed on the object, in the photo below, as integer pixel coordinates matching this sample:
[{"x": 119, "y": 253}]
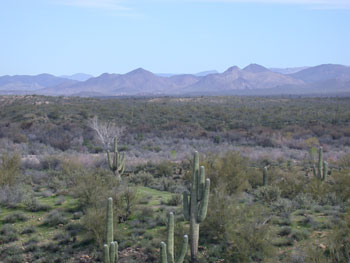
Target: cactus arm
[
  {"x": 109, "y": 226},
  {"x": 111, "y": 248},
  {"x": 186, "y": 206},
  {"x": 167, "y": 254},
  {"x": 201, "y": 182},
  {"x": 320, "y": 163},
  {"x": 202, "y": 213},
  {"x": 183, "y": 250},
  {"x": 194, "y": 226},
  {"x": 110, "y": 161},
  {"x": 121, "y": 163},
  {"x": 106, "y": 254},
  {"x": 170, "y": 243},
  {"x": 116, "y": 251},
  {"x": 115, "y": 144},
  {"x": 195, "y": 163},
  {"x": 325, "y": 170},
  {"x": 115, "y": 160},
  {"x": 163, "y": 258},
  {"x": 112, "y": 251}
]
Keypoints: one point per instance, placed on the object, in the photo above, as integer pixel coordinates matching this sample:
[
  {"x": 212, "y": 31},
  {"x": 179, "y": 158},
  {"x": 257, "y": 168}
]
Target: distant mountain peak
[
  {"x": 232, "y": 69},
  {"x": 139, "y": 71},
  {"x": 255, "y": 68}
]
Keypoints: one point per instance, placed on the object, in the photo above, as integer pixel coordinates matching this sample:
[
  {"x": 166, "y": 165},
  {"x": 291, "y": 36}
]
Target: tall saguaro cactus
[
  {"x": 111, "y": 248},
  {"x": 195, "y": 206},
  {"x": 117, "y": 162},
  {"x": 322, "y": 166},
  {"x": 167, "y": 250}
]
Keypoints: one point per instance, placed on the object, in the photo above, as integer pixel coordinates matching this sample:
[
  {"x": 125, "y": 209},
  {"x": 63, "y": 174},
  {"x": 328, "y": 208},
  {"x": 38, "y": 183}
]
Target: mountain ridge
[{"x": 141, "y": 82}]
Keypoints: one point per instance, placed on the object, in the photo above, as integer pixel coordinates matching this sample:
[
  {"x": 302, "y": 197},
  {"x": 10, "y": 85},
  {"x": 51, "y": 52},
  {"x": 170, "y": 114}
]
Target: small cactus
[
  {"x": 117, "y": 163},
  {"x": 322, "y": 166},
  {"x": 111, "y": 248},
  {"x": 195, "y": 205},
  {"x": 167, "y": 250}
]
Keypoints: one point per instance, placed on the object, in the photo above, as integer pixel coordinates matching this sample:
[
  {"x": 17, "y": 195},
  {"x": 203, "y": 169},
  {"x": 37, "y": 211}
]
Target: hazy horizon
[{"x": 64, "y": 37}]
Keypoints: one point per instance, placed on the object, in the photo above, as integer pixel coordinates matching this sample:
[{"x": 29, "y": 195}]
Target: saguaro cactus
[
  {"x": 117, "y": 162},
  {"x": 195, "y": 206},
  {"x": 111, "y": 248},
  {"x": 322, "y": 166},
  {"x": 265, "y": 176},
  {"x": 167, "y": 250}
]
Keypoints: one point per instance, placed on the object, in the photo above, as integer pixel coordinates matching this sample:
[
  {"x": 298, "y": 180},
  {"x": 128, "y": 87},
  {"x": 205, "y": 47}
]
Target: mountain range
[{"x": 251, "y": 80}]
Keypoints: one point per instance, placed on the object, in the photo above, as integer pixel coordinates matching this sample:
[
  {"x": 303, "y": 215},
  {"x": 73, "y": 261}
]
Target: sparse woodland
[{"x": 270, "y": 181}]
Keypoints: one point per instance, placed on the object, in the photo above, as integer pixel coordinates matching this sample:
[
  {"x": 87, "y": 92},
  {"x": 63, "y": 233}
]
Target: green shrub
[
  {"x": 308, "y": 221},
  {"x": 125, "y": 200},
  {"x": 11, "y": 250},
  {"x": 15, "y": 258},
  {"x": 341, "y": 186},
  {"x": 317, "y": 189},
  {"x": 175, "y": 200},
  {"x": 164, "y": 169},
  {"x": 300, "y": 234},
  {"x": 281, "y": 221},
  {"x": 291, "y": 185},
  {"x": 344, "y": 161},
  {"x": 15, "y": 217},
  {"x": 31, "y": 245},
  {"x": 304, "y": 201},
  {"x": 8, "y": 234},
  {"x": 338, "y": 243},
  {"x": 231, "y": 170},
  {"x": 146, "y": 213},
  {"x": 28, "y": 230},
  {"x": 92, "y": 223},
  {"x": 240, "y": 229},
  {"x": 285, "y": 231},
  {"x": 12, "y": 196},
  {"x": 267, "y": 194},
  {"x": 142, "y": 178},
  {"x": 282, "y": 242},
  {"x": 282, "y": 206},
  {"x": 54, "y": 218},
  {"x": 74, "y": 229},
  {"x": 60, "y": 200},
  {"x": 10, "y": 168},
  {"x": 33, "y": 205},
  {"x": 91, "y": 187}
]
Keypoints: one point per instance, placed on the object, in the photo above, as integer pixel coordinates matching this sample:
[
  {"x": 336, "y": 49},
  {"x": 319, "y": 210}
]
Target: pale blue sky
[{"x": 170, "y": 36}]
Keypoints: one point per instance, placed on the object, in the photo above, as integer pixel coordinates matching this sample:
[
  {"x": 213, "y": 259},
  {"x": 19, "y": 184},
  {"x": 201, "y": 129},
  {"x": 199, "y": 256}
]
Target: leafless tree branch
[{"x": 106, "y": 131}]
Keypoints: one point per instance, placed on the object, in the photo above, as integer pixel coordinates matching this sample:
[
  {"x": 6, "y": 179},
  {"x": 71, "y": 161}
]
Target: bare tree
[{"x": 106, "y": 131}]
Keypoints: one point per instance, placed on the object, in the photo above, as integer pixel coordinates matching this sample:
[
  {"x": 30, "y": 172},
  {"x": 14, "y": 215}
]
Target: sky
[{"x": 64, "y": 37}]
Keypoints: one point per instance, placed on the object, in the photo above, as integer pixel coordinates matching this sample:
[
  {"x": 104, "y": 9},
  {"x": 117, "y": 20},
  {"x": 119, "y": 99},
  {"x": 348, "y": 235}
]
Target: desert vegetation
[{"x": 270, "y": 181}]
